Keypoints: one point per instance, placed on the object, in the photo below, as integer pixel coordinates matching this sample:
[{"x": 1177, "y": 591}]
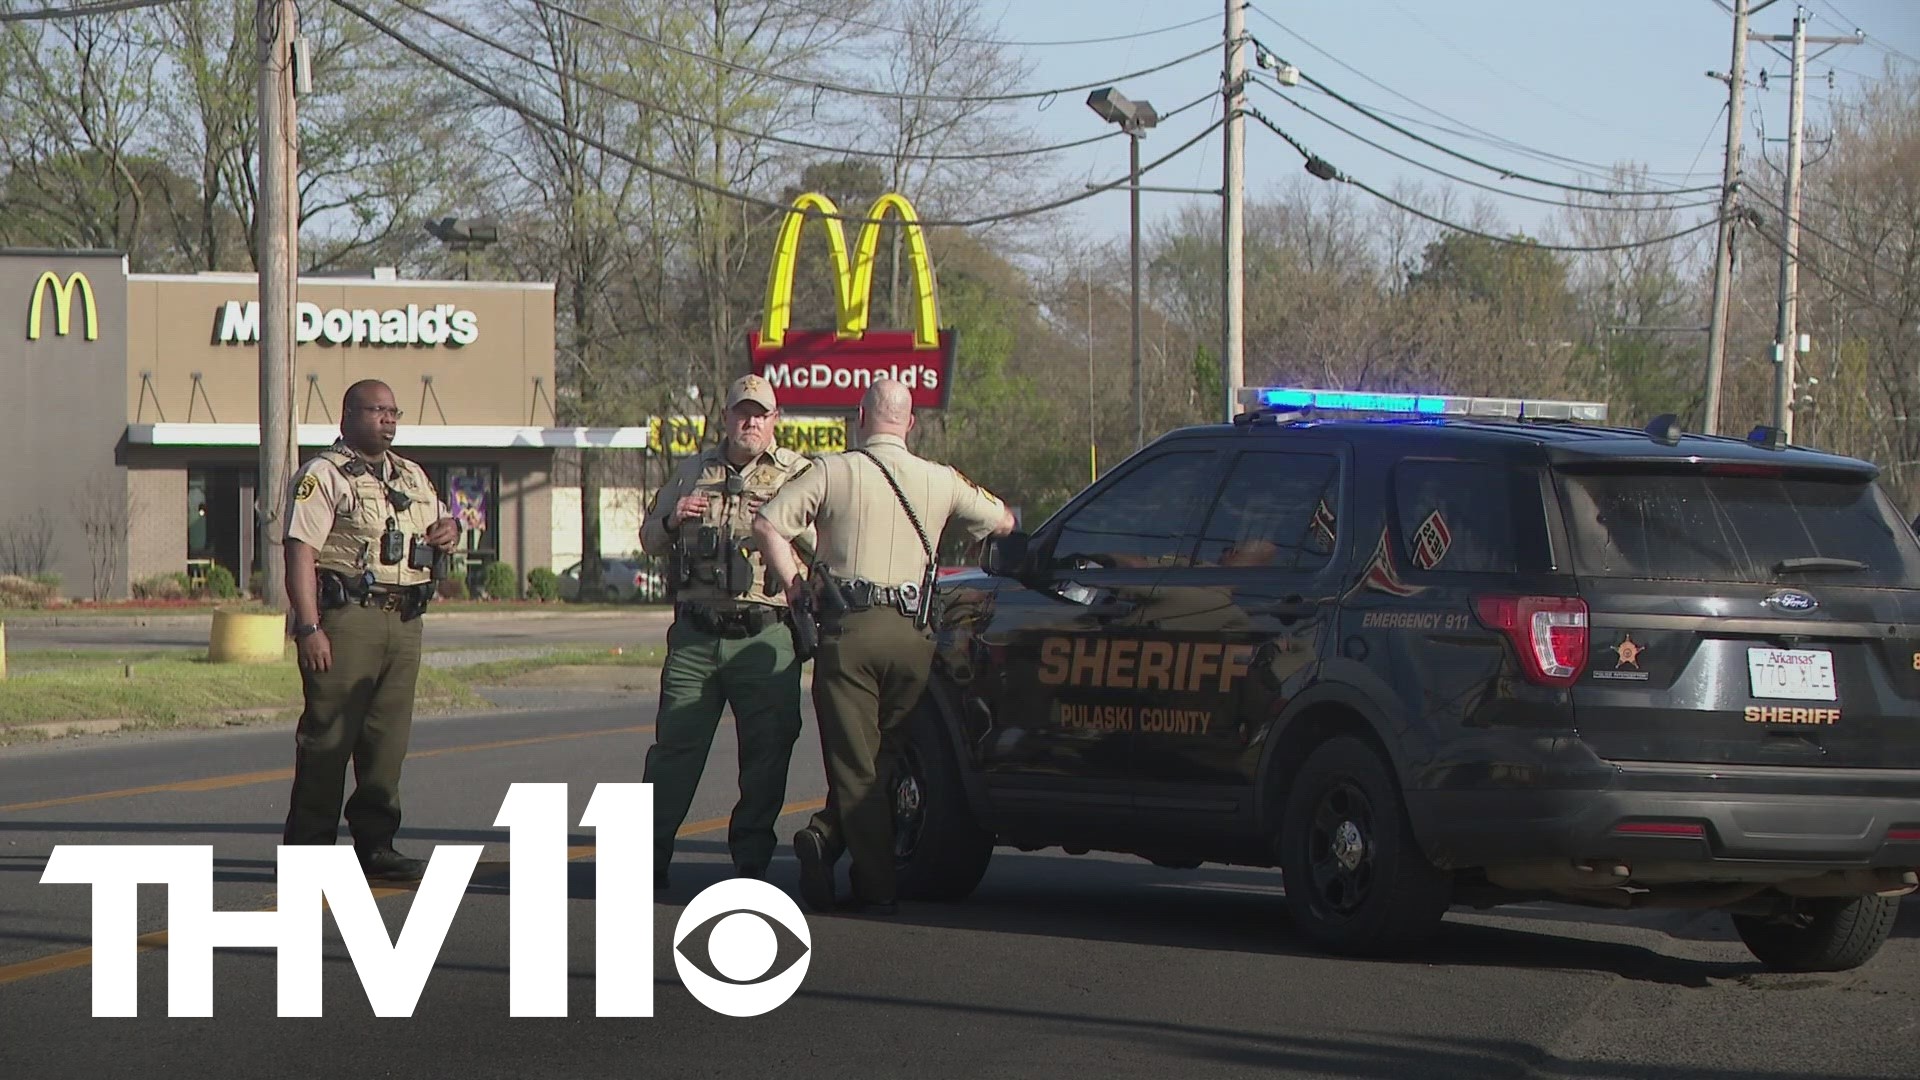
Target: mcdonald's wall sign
[
  {"x": 63, "y": 294},
  {"x": 831, "y": 369}
]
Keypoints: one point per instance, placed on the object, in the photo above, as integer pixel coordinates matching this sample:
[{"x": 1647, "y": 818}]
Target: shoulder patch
[{"x": 304, "y": 491}]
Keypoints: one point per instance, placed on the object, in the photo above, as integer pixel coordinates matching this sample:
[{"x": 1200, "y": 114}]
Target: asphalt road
[
  {"x": 444, "y": 630},
  {"x": 1058, "y": 966}
]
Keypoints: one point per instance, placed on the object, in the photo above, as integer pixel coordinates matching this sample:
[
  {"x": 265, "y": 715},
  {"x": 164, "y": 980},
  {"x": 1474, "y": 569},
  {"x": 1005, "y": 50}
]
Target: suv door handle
[{"x": 1289, "y": 609}]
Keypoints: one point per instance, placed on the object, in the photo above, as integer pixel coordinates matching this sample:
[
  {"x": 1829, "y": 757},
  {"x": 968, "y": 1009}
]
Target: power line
[
  {"x": 1481, "y": 134},
  {"x": 1436, "y": 170},
  {"x": 844, "y": 151},
  {"x": 1863, "y": 259},
  {"x": 848, "y": 20},
  {"x": 1450, "y": 152},
  {"x": 1815, "y": 269},
  {"x": 856, "y": 91},
  {"x": 1325, "y": 170},
  {"x": 1501, "y": 142},
  {"x": 521, "y": 108},
  {"x": 80, "y": 11},
  {"x": 1871, "y": 40}
]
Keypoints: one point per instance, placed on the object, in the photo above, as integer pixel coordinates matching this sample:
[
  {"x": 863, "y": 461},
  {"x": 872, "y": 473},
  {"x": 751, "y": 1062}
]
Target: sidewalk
[{"x": 205, "y": 618}]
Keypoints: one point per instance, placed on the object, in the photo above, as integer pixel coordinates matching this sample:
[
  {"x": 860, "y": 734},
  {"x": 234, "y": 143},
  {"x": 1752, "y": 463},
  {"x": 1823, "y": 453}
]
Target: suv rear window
[
  {"x": 1469, "y": 517},
  {"x": 1701, "y": 526}
]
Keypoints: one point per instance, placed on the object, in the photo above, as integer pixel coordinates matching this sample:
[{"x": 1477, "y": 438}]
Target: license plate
[{"x": 1795, "y": 674}]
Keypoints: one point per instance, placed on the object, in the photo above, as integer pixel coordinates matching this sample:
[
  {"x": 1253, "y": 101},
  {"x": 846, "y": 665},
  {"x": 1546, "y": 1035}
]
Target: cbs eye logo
[{"x": 742, "y": 947}]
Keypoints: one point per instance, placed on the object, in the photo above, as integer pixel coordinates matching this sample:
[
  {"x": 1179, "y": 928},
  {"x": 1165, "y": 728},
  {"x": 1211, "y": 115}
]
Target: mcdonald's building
[{"x": 129, "y": 411}]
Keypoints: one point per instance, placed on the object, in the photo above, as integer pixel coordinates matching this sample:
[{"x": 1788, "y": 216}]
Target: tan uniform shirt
[
  {"x": 707, "y": 474},
  {"x": 342, "y": 517},
  {"x": 863, "y": 531}
]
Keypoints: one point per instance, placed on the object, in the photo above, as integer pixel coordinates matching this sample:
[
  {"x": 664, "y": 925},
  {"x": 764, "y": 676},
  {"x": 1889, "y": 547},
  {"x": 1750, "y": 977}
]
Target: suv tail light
[{"x": 1549, "y": 633}]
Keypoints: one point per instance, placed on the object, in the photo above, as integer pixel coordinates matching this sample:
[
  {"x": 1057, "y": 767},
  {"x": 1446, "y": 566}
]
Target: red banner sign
[{"x": 817, "y": 369}]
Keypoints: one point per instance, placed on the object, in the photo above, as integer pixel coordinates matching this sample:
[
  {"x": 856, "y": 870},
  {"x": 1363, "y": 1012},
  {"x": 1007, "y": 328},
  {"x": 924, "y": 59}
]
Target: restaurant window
[{"x": 472, "y": 494}]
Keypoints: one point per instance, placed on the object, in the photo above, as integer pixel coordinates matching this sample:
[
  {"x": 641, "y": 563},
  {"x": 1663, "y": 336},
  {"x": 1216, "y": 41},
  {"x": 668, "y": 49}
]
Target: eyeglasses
[{"x": 382, "y": 410}]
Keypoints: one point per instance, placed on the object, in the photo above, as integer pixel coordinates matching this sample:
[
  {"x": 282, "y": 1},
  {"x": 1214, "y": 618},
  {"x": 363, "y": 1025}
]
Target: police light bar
[{"x": 1287, "y": 398}]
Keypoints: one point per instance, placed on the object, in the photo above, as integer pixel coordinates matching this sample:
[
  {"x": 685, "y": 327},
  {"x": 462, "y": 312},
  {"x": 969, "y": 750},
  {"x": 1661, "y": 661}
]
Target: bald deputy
[{"x": 879, "y": 512}]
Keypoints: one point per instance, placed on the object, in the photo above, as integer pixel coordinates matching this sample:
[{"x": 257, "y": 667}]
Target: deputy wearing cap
[
  {"x": 730, "y": 643},
  {"x": 880, "y": 511}
]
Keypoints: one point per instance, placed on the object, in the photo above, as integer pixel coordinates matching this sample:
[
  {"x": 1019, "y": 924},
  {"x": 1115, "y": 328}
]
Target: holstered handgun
[
  {"x": 806, "y": 629},
  {"x": 821, "y": 595}
]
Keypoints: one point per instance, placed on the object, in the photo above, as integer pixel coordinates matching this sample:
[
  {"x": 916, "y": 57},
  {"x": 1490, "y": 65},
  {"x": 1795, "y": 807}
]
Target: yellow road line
[
  {"x": 233, "y": 780},
  {"x": 79, "y": 958}
]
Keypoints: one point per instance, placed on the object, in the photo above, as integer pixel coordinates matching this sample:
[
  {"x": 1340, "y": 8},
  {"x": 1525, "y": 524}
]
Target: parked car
[
  {"x": 622, "y": 580},
  {"x": 1421, "y": 651}
]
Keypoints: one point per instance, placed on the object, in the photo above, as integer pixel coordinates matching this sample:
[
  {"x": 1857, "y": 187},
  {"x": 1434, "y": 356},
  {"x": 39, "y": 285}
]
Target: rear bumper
[{"x": 1817, "y": 818}]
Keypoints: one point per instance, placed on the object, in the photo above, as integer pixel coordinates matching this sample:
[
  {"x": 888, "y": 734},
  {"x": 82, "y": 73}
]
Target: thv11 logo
[{"x": 741, "y": 947}]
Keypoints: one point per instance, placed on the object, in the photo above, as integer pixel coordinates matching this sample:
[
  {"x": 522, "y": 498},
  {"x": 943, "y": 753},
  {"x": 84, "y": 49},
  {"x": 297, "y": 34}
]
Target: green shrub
[
  {"x": 543, "y": 583},
  {"x": 257, "y": 582},
  {"x": 19, "y": 592},
  {"x": 221, "y": 584},
  {"x": 161, "y": 587},
  {"x": 50, "y": 580},
  {"x": 500, "y": 582}
]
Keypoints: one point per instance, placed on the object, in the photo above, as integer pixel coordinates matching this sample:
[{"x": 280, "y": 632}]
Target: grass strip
[{"x": 166, "y": 689}]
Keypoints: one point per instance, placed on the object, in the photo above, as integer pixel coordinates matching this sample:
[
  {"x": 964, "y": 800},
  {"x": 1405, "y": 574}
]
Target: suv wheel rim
[
  {"x": 909, "y": 800},
  {"x": 1340, "y": 849}
]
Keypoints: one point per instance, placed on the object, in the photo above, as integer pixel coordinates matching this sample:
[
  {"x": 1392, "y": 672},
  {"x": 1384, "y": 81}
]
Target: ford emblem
[{"x": 1792, "y": 601}]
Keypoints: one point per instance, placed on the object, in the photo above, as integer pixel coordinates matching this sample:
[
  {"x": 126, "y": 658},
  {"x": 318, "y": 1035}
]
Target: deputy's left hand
[{"x": 444, "y": 534}]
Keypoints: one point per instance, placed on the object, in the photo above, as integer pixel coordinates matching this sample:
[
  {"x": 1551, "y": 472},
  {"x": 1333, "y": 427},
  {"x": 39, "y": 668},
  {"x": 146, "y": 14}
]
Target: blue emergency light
[{"x": 1295, "y": 399}]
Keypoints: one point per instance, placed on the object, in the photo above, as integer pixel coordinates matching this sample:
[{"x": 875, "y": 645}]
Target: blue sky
[{"x": 1599, "y": 81}]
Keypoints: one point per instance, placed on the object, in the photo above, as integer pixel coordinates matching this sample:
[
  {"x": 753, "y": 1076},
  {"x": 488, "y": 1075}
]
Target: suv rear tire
[
  {"x": 1826, "y": 934},
  {"x": 940, "y": 853},
  {"x": 1356, "y": 880}
]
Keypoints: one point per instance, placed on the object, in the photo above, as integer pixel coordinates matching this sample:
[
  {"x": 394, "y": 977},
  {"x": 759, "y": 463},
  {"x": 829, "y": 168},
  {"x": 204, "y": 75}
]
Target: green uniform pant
[
  {"x": 359, "y": 710},
  {"x": 703, "y": 673},
  {"x": 867, "y": 679}
]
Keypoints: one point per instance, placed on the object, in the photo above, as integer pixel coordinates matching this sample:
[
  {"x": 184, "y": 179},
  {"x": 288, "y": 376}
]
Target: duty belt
[
  {"x": 861, "y": 593},
  {"x": 747, "y": 620}
]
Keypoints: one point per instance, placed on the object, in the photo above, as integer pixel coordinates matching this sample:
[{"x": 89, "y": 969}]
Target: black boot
[{"x": 816, "y": 870}]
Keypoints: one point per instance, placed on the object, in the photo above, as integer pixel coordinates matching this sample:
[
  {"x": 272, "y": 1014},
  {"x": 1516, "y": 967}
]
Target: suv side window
[
  {"x": 1142, "y": 518},
  {"x": 1455, "y": 516},
  {"x": 1277, "y": 510}
]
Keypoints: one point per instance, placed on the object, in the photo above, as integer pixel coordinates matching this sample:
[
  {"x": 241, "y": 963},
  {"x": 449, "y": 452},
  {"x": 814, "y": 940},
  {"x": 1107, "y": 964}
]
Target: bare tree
[{"x": 103, "y": 510}]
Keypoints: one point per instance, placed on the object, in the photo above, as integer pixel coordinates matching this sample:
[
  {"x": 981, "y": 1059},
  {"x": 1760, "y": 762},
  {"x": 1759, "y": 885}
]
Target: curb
[{"x": 121, "y": 622}]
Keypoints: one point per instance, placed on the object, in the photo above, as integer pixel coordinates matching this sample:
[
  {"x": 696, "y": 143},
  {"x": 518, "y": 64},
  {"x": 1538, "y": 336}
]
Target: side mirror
[{"x": 1005, "y": 556}]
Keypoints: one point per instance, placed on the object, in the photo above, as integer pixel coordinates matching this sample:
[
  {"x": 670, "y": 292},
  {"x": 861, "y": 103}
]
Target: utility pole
[
  {"x": 1786, "y": 338},
  {"x": 1139, "y": 377},
  {"x": 1729, "y": 196},
  {"x": 1233, "y": 194},
  {"x": 278, "y": 226}
]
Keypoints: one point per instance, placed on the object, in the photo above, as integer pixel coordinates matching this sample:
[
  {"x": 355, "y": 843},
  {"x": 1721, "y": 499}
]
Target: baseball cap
[{"x": 752, "y": 388}]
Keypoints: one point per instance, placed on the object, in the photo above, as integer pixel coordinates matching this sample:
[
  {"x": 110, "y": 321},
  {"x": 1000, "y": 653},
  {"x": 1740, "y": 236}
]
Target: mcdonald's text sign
[{"x": 832, "y": 369}]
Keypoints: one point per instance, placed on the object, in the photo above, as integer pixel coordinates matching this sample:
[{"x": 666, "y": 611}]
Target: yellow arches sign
[
  {"x": 831, "y": 369},
  {"x": 63, "y": 305}
]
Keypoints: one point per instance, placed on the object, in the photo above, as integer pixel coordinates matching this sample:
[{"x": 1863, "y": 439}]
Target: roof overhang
[{"x": 463, "y": 436}]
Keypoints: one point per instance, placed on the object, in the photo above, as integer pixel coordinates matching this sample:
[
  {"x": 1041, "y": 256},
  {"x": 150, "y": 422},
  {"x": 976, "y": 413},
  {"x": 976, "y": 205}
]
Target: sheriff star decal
[
  {"x": 1628, "y": 652},
  {"x": 308, "y": 484}
]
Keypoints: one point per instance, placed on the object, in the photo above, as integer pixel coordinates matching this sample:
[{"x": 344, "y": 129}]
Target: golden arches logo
[
  {"x": 853, "y": 275},
  {"x": 63, "y": 305}
]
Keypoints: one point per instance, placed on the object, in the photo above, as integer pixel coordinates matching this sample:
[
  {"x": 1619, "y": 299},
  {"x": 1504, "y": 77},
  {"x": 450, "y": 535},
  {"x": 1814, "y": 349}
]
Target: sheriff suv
[{"x": 1425, "y": 651}]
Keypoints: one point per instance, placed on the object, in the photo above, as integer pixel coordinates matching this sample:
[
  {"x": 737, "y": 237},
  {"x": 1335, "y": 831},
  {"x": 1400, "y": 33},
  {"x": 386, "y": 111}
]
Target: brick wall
[{"x": 156, "y": 522}]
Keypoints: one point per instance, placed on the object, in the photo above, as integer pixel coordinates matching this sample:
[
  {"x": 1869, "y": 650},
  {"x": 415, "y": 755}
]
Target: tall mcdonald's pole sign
[{"x": 831, "y": 369}]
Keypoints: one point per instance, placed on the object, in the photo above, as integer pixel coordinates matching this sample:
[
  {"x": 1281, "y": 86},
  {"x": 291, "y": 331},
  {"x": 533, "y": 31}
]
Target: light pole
[
  {"x": 464, "y": 237},
  {"x": 1134, "y": 118}
]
